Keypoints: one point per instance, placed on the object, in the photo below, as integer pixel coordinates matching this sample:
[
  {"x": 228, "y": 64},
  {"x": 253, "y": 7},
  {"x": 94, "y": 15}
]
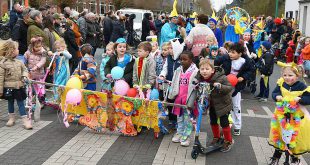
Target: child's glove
[{"x": 217, "y": 85}]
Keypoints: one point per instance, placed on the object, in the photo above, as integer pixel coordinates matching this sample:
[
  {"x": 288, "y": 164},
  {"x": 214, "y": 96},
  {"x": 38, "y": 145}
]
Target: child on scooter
[
  {"x": 182, "y": 91},
  {"x": 220, "y": 101}
]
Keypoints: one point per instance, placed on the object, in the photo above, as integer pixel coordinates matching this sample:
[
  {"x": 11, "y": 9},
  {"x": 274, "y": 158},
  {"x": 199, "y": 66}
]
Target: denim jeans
[{"x": 20, "y": 104}]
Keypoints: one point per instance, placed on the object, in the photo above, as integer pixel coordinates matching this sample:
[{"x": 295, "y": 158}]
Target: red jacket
[{"x": 289, "y": 54}]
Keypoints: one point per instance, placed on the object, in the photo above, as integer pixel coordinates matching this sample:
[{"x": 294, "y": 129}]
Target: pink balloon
[
  {"x": 74, "y": 97},
  {"x": 121, "y": 87}
]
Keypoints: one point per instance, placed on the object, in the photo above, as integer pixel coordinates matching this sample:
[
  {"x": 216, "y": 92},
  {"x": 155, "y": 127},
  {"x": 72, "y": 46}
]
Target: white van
[{"x": 137, "y": 26}]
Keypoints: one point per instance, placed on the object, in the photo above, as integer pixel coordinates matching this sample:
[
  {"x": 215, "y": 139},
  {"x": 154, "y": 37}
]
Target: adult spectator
[
  {"x": 44, "y": 11},
  {"x": 81, "y": 22},
  {"x": 50, "y": 31},
  {"x": 159, "y": 22},
  {"x": 35, "y": 28},
  {"x": 145, "y": 26},
  {"x": 92, "y": 31},
  {"x": 77, "y": 35},
  {"x": 118, "y": 29},
  {"x": 198, "y": 37},
  {"x": 217, "y": 31},
  {"x": 277, "y": 30},
  {"x": 269, "y": 25},
  {"x": 15, "y": 13},
  {"x": 169, "y": 30},
  {"x": 107, "y": 27},
  {"x": 71, "y": 45},
  {"x": 52, "y": 10},
  {"x": 67, "y": 12},
  {"x": 181, "y": 32},
  {"x": 130, "y": 38},
  {"x": 19, "y": 32},
  {"x": 57, "y": 23}
]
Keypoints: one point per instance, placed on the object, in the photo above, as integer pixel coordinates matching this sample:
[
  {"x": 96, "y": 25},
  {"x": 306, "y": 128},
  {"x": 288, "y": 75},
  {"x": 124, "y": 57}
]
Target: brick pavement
[{"x": 86, "y": 147}]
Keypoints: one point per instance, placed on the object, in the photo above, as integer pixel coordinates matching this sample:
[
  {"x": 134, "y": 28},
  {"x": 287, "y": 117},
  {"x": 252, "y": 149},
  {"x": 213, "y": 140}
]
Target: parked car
[{"x": 139, "y": 17}]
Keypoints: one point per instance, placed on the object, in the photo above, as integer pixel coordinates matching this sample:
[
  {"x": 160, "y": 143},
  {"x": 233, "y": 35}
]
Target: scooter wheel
[{"x": 194, "y": 154}]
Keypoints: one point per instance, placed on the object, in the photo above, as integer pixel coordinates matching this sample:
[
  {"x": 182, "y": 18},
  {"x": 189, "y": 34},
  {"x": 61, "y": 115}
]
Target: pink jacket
[{"x": 36, "y": 59}]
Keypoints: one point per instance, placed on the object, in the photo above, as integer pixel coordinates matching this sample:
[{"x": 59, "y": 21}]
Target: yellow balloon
[{"x": 75, "y": 82}]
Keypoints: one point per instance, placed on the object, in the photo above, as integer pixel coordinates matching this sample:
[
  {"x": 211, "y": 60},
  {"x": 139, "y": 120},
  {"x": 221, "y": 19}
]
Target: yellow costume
[{"x": 290, "y": 123}]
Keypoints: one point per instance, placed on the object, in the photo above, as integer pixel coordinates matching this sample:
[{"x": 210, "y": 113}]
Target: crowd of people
[{"x": 208, "y": 54}]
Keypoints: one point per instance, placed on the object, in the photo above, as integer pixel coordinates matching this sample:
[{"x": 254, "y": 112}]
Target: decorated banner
[{"x": 101, "y": 111}]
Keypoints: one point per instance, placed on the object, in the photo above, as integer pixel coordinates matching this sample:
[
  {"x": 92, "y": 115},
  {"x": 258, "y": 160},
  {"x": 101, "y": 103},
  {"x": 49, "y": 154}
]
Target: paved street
[{"x": 51, "y": 143}]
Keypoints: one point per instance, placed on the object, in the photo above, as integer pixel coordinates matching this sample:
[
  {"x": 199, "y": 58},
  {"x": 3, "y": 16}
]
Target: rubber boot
[
  {"x": 11, "y": 121},
  {"x": 26, "y": 122}
]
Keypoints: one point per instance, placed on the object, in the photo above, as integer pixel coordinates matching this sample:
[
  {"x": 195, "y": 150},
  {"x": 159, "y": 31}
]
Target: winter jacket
[
  {"x": 197, "y": 38},
  {"x": 265, "y": 63},
  {"x": 19, "y": 34},
  {"x": 247, "y": 71},
  {"x": 306, "y": 53},
  {"x": 71, "y": 45},
  {"x": 51, "y": 38},
  {"x": 169, "y": 67},
  {"x": 118, "y": 30},
  {"x": 219, "y": 36},
  {"x": 81, "y": 22},
  {"x": 168, "y": 32},
  {"x": 146, "y": 27},
  {"x": 91, "y": 29},
  {"x": 220, "y": 99},
  {"x": 175, "y": 84},
  {"x": 36, "y": 59},
  {"x": 107, "y": 27},
  {"x": 148, "y": 73},
  {"x": 297, "y": 86},
  {"x": 128, "y": 71},
  {"x": 14, "y": 15},
  {"x": 12, "y": 72},
  {"x": 35, "y": 30}
]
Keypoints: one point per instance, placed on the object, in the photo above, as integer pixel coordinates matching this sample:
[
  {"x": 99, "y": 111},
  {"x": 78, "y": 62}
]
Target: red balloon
[
  {"x": 232, "y": 79},
  {"x": 132, "y": 92}
]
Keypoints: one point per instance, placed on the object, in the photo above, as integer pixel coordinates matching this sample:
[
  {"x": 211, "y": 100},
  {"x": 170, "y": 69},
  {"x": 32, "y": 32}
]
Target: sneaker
[
  {"x": 176, "y": 138},
  {"x": 214, "y": 141},
  {"x": 186, "y": 142},
  {"x": 258, "y": 97},
  {"x": 274, "y": 161},
  {"x": 262, "y": 100},
  {"x": 237, "y": 132},
  {"x": 227, "y": 146}
]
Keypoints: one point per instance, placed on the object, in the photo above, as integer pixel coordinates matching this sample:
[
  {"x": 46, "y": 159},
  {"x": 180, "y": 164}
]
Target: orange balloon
[{"x": 232, "y": 79}]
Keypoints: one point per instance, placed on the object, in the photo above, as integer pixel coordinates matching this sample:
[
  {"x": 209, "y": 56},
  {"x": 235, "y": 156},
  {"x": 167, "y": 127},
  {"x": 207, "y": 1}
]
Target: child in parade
[
  {"x": 220, "y": 101},
  {"x": 291, "y": 118},
  {"x": 87, "y": 68},
  {"x": 106, "y": 86},
  {"x": 162, "y": 58},
  {"x": 13, "y": 74},
  {"x": 182, "y": 91},
  {"x": 171, "y": 64},
  {"x": 144, "y": 74},
  {"x": 265, "y": 67},
  {"x": 306, "y": 57},
  {"x": 35, "y": 58},
  {"x": 300, "y": 46},
  {"x": 121, "y": 59},
  {"x": 155, "y": 50},
  {"x": 62, "y": 70},
  {"x": 290, "y": 52},
  {"x": 242, "y": 66}
]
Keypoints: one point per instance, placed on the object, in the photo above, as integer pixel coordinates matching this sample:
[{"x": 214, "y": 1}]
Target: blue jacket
[
  {"x": 14, "y": 15},
  {"x": 247, "y": 71},
  {"x": 298, "y": 86},
  {"x": 219, "y": 36},
  {"x": 168, "y": 32}
]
